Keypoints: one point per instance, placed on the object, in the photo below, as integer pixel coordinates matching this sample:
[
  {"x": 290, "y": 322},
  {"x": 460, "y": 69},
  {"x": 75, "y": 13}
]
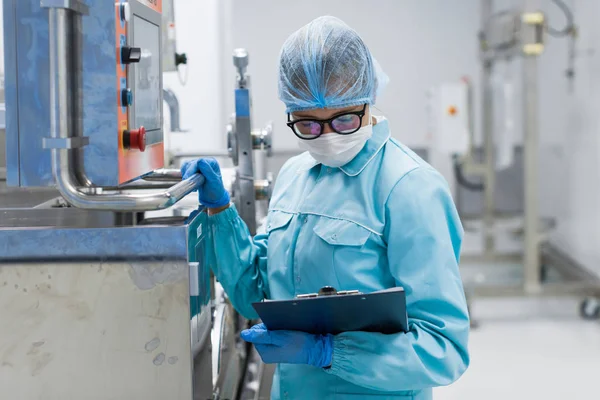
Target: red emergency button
[{"x": 135, "y": 139}]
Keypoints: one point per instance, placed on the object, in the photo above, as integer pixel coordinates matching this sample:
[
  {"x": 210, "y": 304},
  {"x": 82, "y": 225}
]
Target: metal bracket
[
  {"x": 328, "y": 291},
  {"x": 240, "y": 61},
  {"x": 194, "y": 279},
  {"x": 535, "y": 44},
  {"x": 77, "y": 6},
  {"x": 263, "y": 139},
  {"x": 262, "y": 189},
  {"x": 512, "y": 33},
  {"x": 232, "y": 146},
  {"x": 65, "y": 143}
]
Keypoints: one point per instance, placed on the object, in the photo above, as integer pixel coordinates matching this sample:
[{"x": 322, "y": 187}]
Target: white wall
[
  {"x": 570, "y": 123},
  {"x": 199, "y": 32},
  {"x": 419, "y": 44}
]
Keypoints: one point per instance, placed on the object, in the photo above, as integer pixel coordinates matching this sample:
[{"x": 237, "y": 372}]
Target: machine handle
[
  {"x": 77, "y": 197},
  {"x": 64, "y": 110}
]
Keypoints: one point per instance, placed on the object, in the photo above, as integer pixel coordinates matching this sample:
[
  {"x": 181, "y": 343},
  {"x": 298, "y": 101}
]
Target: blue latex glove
[
  {"x": 212, "y": 193},
  {"x": 289, "y": 347}
]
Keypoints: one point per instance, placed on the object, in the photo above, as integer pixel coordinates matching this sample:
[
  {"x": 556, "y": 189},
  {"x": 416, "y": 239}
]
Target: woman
[{"x": 358, "y": 210}]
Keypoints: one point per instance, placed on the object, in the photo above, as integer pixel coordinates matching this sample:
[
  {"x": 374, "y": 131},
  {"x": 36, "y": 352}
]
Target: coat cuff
[
  {"x": 340, "y": 360},
  {"x": 228, "y": 215}
]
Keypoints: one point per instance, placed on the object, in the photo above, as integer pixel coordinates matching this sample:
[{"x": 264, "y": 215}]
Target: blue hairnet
[{"x": 326, "y": 64}]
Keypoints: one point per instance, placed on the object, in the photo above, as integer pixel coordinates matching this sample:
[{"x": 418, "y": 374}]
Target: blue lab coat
[{"x": 385, "y": 219}]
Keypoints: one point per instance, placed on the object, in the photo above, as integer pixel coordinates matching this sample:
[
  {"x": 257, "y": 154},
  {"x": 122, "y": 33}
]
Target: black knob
[
  {"x": 131, "y": 55},
  {"x": 180, "y": 59},
  {"x": 126, "y": 97}
]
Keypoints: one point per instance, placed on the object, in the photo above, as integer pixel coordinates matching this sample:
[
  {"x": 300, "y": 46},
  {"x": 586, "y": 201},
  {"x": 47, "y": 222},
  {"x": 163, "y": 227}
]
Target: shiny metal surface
[
  {"x": 221, "y": 315},
  {"x": 201, "y": 329},
  {"x": 263, "y": 139},
  {"x": 68, "y": 143},
  {"x": 97, "y": 302},
  {"x": 74, "y": 234},
  {"x": 168, "y": 175},
  {"x": 95, "y": 330},
  {"x": 171, "y": 99},
  {"x": 240, "y": 61},
  {"x": 24, "y": 197},
  {"x": 159, "y": 178},
  {"x": 244, "y": 179},
  {"x": 531, "y": 135},
  {"x": 228, "y": 364},
  {"x": 36, "y": 218},
  {"x": 77, "y": 6}
]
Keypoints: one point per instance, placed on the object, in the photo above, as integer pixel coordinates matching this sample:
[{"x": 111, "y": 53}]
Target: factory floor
[{"x": 530, "y": 349}]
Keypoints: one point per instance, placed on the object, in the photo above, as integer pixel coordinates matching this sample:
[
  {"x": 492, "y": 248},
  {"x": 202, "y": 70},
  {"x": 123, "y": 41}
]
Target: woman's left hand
[{"x": 290, "y": 347}]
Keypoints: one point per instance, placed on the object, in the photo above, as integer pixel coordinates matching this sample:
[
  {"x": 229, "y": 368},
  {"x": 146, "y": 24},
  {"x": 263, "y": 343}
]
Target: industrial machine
[
  {"x": 237, "y": 368},
  {"x": 171, "y": 59},
  {"x": 99, "y": 297},
  {"x": 248, "y": 185},
  {"x": 508, "y": 35}
]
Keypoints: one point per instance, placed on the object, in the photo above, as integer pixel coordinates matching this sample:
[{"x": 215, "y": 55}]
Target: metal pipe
[
  {"x": 141, "y": 184},
  {"x": 163, "y": 175},
  {"x": 62, "y": 86},
  {"x": 171, "y": 99},
  {"x": 532, "y": 272}
]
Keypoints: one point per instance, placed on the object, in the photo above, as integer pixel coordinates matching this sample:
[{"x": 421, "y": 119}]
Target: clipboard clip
[{"x": 327, "y": 291}]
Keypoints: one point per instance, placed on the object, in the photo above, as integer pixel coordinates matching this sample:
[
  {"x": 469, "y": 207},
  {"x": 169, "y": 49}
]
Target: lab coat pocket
[
  {"x": 279, "y": 241},
  {"x": 346, "y": 241},
  {"x": 278, "y": 220},
  {"x": 339, "y": 232}
]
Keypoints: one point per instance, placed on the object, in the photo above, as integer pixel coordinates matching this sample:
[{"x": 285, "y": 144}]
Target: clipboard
[{"x": 333, "y": 312}]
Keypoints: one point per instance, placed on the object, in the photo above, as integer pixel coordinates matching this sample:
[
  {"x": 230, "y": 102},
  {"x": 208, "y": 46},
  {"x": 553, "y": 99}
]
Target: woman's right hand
[{"x": 211, "y": 193}]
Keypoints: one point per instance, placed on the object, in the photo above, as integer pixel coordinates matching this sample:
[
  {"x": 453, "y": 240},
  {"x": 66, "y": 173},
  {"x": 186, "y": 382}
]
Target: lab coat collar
[{"x": 381, "y": 134}]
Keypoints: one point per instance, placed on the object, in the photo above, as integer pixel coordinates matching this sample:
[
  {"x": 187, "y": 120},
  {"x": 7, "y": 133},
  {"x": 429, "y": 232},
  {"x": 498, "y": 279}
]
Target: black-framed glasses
[{"x": 343, "y": 124}]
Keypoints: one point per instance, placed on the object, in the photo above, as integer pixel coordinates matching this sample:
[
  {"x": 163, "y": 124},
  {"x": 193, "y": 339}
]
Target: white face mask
[{"x": 335, "y": 150}]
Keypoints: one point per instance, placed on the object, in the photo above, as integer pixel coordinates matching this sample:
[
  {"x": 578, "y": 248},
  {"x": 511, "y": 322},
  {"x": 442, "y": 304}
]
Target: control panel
[
  {"x": 139, "y": 87},
  {"x": 119, "y": 77}
]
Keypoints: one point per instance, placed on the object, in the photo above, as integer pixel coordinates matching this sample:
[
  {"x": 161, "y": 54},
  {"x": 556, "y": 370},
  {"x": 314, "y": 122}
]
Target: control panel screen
[{"x": 146, "y": 86}]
